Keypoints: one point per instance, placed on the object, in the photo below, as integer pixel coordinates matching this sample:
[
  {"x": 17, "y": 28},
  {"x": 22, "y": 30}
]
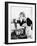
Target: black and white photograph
[{"x": 20, "y": 22}]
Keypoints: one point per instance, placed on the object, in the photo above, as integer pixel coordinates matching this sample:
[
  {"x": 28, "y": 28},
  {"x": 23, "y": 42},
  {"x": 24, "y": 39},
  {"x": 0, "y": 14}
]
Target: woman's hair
[
  {"x": 22, "y": 13},
  {"x": 29, "y": 22}
]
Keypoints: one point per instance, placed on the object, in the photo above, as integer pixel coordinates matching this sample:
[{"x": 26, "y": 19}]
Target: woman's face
[
  {"x": 19, "y": 32},
  {"x": 22, "y": 18}
]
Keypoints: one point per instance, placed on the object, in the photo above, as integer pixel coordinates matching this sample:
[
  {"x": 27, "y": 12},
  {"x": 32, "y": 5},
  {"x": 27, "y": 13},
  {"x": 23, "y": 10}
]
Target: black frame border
[{"x": 6, "y": 22}]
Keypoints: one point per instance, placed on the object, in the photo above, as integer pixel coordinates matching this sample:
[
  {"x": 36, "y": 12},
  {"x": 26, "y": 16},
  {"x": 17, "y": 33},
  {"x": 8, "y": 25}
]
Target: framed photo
[{"x": 20, "y": 22}]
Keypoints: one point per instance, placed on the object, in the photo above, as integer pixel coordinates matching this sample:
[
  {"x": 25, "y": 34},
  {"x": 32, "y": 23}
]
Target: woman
[
  {"x": 21, "y": 24},
  {"x": 27, "y": 24}
]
